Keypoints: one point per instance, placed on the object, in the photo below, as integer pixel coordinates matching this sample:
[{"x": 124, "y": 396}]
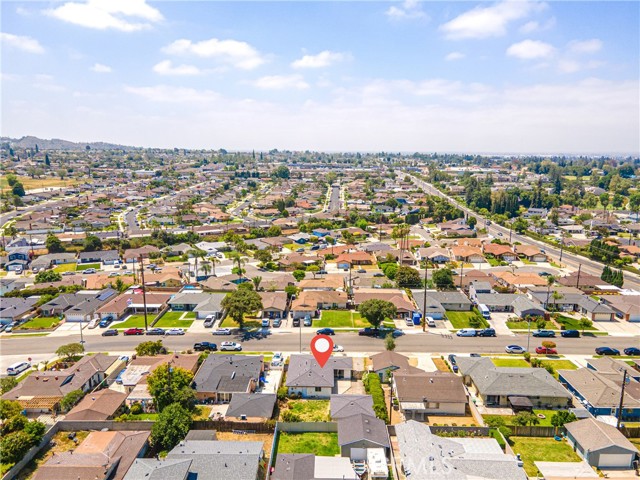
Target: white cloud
[
  {"x": 323, "y": 59},
  {"x": 239, "y": 54},
  {"x": 530, "y": 49},
  {"x": 585, "y": 46},
  {"x": 108, "y": 14},
  {"x": 484, "y": 22},
  {"x": 454, "y": 56},
  {"x": 534, "y": 26},
  {"x": 170, "y": 94},
  {"x": 100, "y": 68},
  {"x": 280, "y": 82},
  {"x": 167, "y": 68},
  {"x": 409, "y": 9},
  {"x": 20, "y": 42}
]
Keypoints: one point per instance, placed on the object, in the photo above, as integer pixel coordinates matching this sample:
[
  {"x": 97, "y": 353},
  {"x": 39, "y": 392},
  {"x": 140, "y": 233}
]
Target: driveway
[{"x": 498, "y": 322}]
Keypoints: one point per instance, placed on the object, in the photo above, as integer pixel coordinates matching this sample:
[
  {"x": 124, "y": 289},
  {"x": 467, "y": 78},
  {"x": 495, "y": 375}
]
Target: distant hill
[{"x": 58, "y": 144}]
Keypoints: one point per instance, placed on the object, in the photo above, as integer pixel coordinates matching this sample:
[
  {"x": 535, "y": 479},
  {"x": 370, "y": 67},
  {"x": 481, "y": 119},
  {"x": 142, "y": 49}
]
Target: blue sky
[{"x": 490, "y": 77}]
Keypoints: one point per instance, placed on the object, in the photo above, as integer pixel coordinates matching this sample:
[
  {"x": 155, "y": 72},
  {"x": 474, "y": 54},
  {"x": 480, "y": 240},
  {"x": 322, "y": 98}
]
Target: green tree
[
  {"x": 313, "y": 269},
  {"x": 291, "y": 290},
  {"x": 443, "y": 279},
  {"x": 604, "y": 200},
  {"x": 376, "y": 310},
  {"x": 389, "y": 343},
  {"x": 263, "y": 256},
  {"x": 281, "y": 172},
  {"x": 241, "y": 302},
  {"x": 70, "y": 350},
  {"x": 407, "y": 277},
  {"x": 36, "y": 430},
  {"x": 47, "y": 276},
  {"x": 9, "y": 408},
  {"x": 70, "y": 399},
  {"x": 14, "y": 446},
  {"x": 169, "y": 384},
  {"x": 526, "y": 418},
  {"x": 172, "y": 425},
  {"x": 8, "y": 383},
  {"x": 18, "y": 189},
  {"x": 257, "y": 280},
  {"x": 299, "y": 274},
  {"x": 13, "y": 424},
  {"x": 54, "y": 244},
  {"x": 92, "y": 243},
  {"x": 562, "y": 417},
  {"x": 150, "y": 348},
  {"x": 585, "y": 323}
]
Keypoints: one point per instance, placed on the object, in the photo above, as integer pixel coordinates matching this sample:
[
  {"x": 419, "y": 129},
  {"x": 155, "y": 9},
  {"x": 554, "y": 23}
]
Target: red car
[
  {"x": 134, "y": 331},
  {"x": 546, "y": 351}
]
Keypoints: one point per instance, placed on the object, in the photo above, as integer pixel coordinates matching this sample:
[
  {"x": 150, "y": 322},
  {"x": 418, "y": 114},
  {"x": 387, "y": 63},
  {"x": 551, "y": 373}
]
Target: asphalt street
[{"x": 334, "y": 200}]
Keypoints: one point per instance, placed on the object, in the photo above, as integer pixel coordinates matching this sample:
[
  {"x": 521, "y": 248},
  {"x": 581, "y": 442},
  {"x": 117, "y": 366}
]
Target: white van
[
  {"x": 431, "y": 322},
  {"x": 18, "y": 368}
]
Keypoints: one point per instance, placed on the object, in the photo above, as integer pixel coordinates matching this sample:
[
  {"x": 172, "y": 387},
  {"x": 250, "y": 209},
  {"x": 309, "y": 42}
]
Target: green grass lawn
[
  {"x": 323, "y": 444},
  {"x": 250, "y": 322},
  {"x": 562, "y": 364},
  {"x": 510, "y": 362},
  {"x": 40, "y": 323},
  {"x": 310, "y": 410},
  {"x": 172, "y": 320},
  {"x": 340, "y": 319},
  {"x": 636, "y": 442},
  {"x": 525, "y": 326},
  {"x": 461, "y": 319},
  {"x": 85, "y": 266},
  {"x": 151, "y": 417},
  {"x": 134, "y": 321},
  {"x": 65, "y": 267},
  {"x": 494, "y": 262},
  {"x": 571, "y": 323},
  {"x": 541, "y": 449}
]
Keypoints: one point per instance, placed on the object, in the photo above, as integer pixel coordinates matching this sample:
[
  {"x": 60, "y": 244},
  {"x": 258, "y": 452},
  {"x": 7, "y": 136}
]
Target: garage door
[
  {"x": 358, "y": 454},
  {"x": 614, "y": 460}
]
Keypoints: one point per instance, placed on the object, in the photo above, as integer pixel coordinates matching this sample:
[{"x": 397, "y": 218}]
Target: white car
[
  {"x": 222, "y": 331},
  {"x": 514, "y": 349},
  {"x": 175, "y": 331},
  {"x": 277, "y": 359},
  {"x": 466, "y": 332},
  {"x": 338, "y": 348},
  {"x": 233, "y": 346},
  {"x": 93, "y": 323}
]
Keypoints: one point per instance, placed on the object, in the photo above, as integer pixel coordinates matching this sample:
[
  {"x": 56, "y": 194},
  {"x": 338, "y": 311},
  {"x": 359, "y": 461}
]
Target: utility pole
[
  {"x": 578, "y": 279},
  {"x": 424, "y": 301},
  {"x": 510, "y": 231},
  {"x": 144, "y": 294},
  {"x": 561, "y": 247},
  {"x": 461, "y": 265},
  {"x": 624, "y": 382}
]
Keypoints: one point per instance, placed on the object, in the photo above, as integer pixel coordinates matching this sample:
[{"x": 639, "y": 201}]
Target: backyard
[
  {"x": 541, "y": 449},
  {"x": 340, "y": 319},
  {"x": 542, "y": 422},
  {"x": 322, "y": 444},
  {"x": 176, "y": 320},
  {"x": 463, "y": 319},
  {"x": 308, "y": 410},
  {"x": 40, "y": 323}
]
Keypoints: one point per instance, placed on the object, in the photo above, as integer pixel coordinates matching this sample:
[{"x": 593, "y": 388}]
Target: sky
[{"x": 404, "y": 76}]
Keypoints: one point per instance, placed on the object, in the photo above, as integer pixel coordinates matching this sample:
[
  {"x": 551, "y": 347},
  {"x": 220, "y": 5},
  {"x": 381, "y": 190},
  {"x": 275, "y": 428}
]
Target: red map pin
[{"x": 321, "y": 347}]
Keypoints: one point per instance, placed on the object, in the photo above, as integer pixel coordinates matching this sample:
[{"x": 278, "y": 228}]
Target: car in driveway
[
  {"x": 175, "y": 331},
  {"x": 454, "y": 364},
  {"x": 514, "y": 349},
  {"x": 156, "y": 331},
  {"x": 221, "y": 331},
  {"x": 296, "y": 322},
  {"x": 266, "y": 323},
  {"x": 543, "y": 333},
  {"x": 369, "y": 332},
  {"x": 104, "y": 323},
  {"x": 487, "y": 332},
  {"x": 570, "y": 334},
  {"x": 209, "y": 321},
  {"x": 546, "y": 351},
  {"x": 325, "y": 331},
  {"x": 230, "y": 346},
  {"x": 338, "y": 348},
  {"x": 632, "y": 351},
  {"x": 466, "y": 332},
  {"x": 361, "y": 270},
  {"x": 205, "y": 347},
  {"x": 112, "y": 332},
  {"x": 607, "y": 351},
  {"x": 307, "y": 321},
  {"x": 134, "y": 331}
]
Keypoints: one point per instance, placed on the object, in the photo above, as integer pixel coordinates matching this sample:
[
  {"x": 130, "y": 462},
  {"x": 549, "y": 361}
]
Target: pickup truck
[{"x": 205, "y": 346}]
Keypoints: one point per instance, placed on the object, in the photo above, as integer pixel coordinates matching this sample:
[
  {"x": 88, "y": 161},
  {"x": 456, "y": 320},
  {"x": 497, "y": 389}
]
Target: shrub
[
  {"x": 136, "y": 409},
  {"x": 373, "y": 386},
  {"x": 70, "y": 399},
  {"x": 289, "y": 416},
  {"x": 527, "y": 357},
  {"x": 505, "y": 431},
  {"x": 282, "y": 393}
]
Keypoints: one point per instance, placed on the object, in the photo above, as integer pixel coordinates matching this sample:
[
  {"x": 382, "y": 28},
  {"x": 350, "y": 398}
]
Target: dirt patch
[
  {"x": 249, "y": 437},
  {"x": 452, "y": 421},
  {"x": 440, "y": 364},
  {"x": 413, "y": 362}
]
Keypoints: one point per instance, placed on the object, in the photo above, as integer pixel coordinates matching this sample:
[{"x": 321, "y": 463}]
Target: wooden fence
[{"x": 240, "y": 427}]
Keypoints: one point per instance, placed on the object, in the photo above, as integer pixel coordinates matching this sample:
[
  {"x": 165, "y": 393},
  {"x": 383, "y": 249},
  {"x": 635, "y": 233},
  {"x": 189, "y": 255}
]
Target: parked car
[
  {"x": 93, "y": 323},
  {"x": 296, "y": 322},
  {"x": 233, "y": 346},
  {"x": 277, "y": 359},
  {"x": 205, "y": 347},
  {"x": 209, "y": 321},
  {"x": 378, "y": 274},
  {"x": 368, "y": 332},
  {"x": 632, "y": 351},
  {"x": 104, "y": 323},
  {"x": 300, "y": 250},
  {"x": 325, "y": 331},
  {"x": 89, "y": 270},
  {"x": 362, "y": 270},
  {"x": 487, "y": 332},
  {"x": 466, "y": 332},
  {"x": 338, "y": 348},
  {"x": 175, "y": 331},
  {"x": 134, "y": 331},
  {"x": 265, "y": 323},
  {"x": 475, "y": 355},
  {"x": 546, "y": 351},
  {"x": 307, "y": 321},
  {"x": 112, "y": 332},
  {"x": 156, "y": 331},
  {"x": 454, "y": 364},
  {"x": 543, "y": 333},
  {"x": 222, "y": 331},
  {"x": 607, "y": 351},
  {"x": 514, "y": 349},
  {"x": 570, "y": 333},
  {"x": 430, "y": 322},
  {"x": 64, "y": 274},
  {"x": 276, "y": 322}
]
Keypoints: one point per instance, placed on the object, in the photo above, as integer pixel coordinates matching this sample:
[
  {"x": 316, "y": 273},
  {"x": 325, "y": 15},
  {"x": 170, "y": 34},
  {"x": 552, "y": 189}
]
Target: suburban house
[
  {"x": 584, "y": 281},
  {"x": 501, "y": 386},
  {"x": 307, "y": 379},
  {"x": 107, "y": 257},
  {"x": 16, "y": 308},
  {"x": 456, "y": 301},
  {"x": 433, "y": 254},
  {"x": 274, "y": 304},
  {"x": 429, "y": 393},
  {"x": 331, "y": 281},
  {"x": 612, "y": 366},
  {"x": 347, "y": 405},
  {"x": 503, "y": 252},
  {"x": 78, "y": 307},
  {"x": 571, "y": 299},
  {"x": 625, "y": 307},
  {"x": 307, "y": 466},
  {"x": 101, "y": 405},
  {"x": 348, "y": 259},
  {"x": 132, "y": 255},
  {"x": 127, "y": 303},
  {"x": 531, "y": 253},
  {"x": 203, "y": 304},
  {"x": 404, "y": 305},
  {"x": 252, "y": 407},
  {"x": 388, "y": 362},
  {"x": 426, "y": 456},
  {"x": 600, "y": 444},
  {"x": 101, "y": 455},
  {"x": 309, "y": 301},
  {"x": 467, "y": 254},
  {"x": 510, "y": 302},
  {"x": 221, "y": 376},
  {"x": 360, "y": 432},
  {"x": 476, "y": 287},
  {"x": 44, "y": 262},
  {"x": 599, "y": 392}
]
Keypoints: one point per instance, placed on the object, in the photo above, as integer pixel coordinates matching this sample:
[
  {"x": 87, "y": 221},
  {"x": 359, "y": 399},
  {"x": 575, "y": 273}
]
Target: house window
[
  {"x": 433, "y": 405},
  {"x": 318, "y": 389}
]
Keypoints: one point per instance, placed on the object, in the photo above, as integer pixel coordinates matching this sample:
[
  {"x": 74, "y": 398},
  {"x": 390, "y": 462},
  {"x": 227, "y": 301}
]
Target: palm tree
[
  {"x": 556, "y": 296},
  {"x": 238, "y": 261},
  {"x": 196, "y": 253},
  {"x": 401, "y": 232},
  {"x": 206, "y": 268},
  {"x": 213, "y": 261},
  {"x": 256, "y": 282},
  {"x": 550, "y": 281}
]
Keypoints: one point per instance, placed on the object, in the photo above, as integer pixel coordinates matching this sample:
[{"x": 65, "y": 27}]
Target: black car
[
  {"x": 607, "y": 351},
  {"x": 296, "y": 322},
  {"x": 454, "y": 364},
  {"x": 369, "y": 332},
  {"x": 632, "y": 351},
  {"x": 325, "y": 331},
  {"x": 487, "y": 332},
  {"x": 112, "y": 332},
  {"x": 205, "y": 346},
  {"x": 570, "y": 333},
  {"x": 155, "y": 331}
]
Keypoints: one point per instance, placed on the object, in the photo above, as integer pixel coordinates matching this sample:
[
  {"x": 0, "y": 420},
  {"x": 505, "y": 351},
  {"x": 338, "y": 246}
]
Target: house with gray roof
[
  {"x": 347, "y": 405},
  {"x": 495, "y": 385},
  {"x": 360, "y": 432},
  {"x": 571, "y": 299},
  {"x": 429, "y": 393},
  {"x": 221, "y": 376},
  {"x": 456, "y": 301},
  {"x": 600, "y": 444},
  {"x": 253, "y": 407},
  {"x": 308, "y": 379},
  {"x": 159, "y": 469},
  {"x": 307, "y": 466},
  {"x": 202, "y": 303},
  {"x": 16, "y": 308},
  {"x": 108, "y": 257},
  {"x": 519, "y": 304},
  {"x": 426, "y": 456}
]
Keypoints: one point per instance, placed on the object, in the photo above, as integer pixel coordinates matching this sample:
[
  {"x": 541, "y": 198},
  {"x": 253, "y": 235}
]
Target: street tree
[
  {"x": 376, "y": 310},
  {"x": 241, "y": 302},
  {"x": 70, "y": 350},
  {"x": 47, "y": 276}
]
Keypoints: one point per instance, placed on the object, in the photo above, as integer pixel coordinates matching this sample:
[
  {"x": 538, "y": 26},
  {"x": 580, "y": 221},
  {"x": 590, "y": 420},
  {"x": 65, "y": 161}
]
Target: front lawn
[
  {"x": 172, "y": 320},
  {"x": 510, "y": 362},
  {"x": 250, "y": 322},
  {"x": 309, "y": 410},
  {"x": 525, "y": 325},
  {"x": 65, "y": 267},
  {"x": 562, "y": 364},
  {"x": 40, "y": 323},
  {"x": 85, "y": 266},
  {"x": 541, "y": 449},
  {"x": 462, "y": 319},
  {"x": 571, "y": 323},
  {"x": 322, "y": 444},
  {"x": 340, "y": 319},
  {"x": 134, "y": 321}
]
